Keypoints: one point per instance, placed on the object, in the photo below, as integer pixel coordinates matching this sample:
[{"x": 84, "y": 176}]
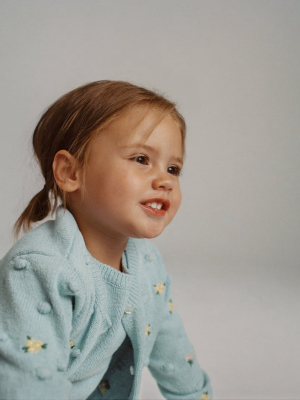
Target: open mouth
[{"x": 157, "y": 204}]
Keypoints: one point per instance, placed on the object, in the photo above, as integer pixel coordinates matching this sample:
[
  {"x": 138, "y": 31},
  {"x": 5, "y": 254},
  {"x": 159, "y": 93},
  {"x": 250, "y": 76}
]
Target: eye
[
  {"x": 174, "y": 170},
  {"x": 141, "y": 159}
]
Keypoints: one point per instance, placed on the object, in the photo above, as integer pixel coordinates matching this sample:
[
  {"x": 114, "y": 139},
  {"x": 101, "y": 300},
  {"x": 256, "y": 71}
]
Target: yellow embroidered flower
[
  {"x": 72, "y": 344},
  {"x": 147, "y": 330},
  {"x": 160, "y": 288},
  {"x": 190, "y": 358},
  {"x": 33, "y": 346},
  {"x": 171, "y": 305},
  {"x": 205, "y": 396}
]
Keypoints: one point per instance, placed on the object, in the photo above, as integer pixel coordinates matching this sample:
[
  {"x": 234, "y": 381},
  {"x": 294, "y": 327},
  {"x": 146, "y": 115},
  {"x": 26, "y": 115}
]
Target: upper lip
[{"x": 165, "y": 203}]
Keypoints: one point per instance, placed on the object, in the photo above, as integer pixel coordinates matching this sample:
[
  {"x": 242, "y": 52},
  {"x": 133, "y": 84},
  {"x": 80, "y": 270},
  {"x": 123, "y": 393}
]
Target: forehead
[{"x": 138, "y": 124}]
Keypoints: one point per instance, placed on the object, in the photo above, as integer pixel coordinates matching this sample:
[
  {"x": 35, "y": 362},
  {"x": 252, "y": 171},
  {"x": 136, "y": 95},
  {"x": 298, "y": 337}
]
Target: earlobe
[{"x": 65, "y": 171}]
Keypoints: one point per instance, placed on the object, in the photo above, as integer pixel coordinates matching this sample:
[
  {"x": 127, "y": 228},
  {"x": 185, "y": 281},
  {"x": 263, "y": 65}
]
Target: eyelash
[
  {"x": 145, "y": 158},
  {"x": 177, "y": 170}
]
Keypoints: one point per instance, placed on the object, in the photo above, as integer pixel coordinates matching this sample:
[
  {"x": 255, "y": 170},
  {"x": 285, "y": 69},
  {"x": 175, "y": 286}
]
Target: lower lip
[{"x": 152, "y": 211}]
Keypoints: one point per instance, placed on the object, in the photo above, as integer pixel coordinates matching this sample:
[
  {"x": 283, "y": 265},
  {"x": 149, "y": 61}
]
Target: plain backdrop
[{"x": 233, "y": 69}]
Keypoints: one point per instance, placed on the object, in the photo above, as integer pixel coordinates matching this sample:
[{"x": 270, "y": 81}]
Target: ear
[{"x": 65, "y": 171}]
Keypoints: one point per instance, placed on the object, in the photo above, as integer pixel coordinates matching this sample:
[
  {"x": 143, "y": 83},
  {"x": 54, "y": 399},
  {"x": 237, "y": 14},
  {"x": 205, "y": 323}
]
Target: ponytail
[{"x": 38, "y": 208}]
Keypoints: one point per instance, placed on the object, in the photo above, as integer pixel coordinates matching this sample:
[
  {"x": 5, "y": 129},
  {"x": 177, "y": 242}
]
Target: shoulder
[
  {"x": 36, "y": 269},
  {"x": 31, "y": 275},
  {"x": 46, "y": 251},
  {"x": 53, "y": 237}
]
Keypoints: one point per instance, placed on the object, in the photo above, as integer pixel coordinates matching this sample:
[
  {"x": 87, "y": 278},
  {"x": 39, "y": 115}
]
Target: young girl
[{"x": 85, "y": 300}]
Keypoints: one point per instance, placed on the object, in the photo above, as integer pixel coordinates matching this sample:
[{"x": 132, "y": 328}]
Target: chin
[
  {"x": 151, "y": 234},
  {"x": 148, "y": 231},
  {"x": 147, "y": 234}
]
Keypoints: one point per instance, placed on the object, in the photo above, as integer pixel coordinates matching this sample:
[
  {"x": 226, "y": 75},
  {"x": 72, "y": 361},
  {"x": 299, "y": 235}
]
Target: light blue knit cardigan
[{"x": 72, "y": 327}]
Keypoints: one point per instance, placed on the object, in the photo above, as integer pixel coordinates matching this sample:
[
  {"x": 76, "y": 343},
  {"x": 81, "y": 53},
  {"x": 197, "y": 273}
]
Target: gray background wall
[{"x": 233, "y": 68}]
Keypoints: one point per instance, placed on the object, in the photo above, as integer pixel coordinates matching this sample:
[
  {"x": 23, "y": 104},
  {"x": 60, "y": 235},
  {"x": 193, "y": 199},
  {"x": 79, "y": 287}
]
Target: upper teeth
[{"x": 154, "y": 205}]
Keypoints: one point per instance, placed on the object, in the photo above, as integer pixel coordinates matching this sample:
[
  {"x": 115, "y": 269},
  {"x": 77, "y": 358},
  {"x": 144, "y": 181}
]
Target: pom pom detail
[
  {"x": 73, "y": 287},
  {"x": 43, "y": 373},
  {"x": 148, "y": 257},
  {"x": 76, "y": 353},
  {"x": 168, "y": 367},
  {"x": 44, "y": 307},
  {"x": 61, "y": 367},
  {"x": 19, "y": 264}
]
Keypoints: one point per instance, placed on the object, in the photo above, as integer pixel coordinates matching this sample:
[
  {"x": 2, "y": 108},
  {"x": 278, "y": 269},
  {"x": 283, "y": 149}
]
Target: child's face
[{"x": 127, "y": 172}]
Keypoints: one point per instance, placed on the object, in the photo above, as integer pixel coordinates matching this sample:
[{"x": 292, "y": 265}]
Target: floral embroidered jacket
[{"x": 74, "y": 328}]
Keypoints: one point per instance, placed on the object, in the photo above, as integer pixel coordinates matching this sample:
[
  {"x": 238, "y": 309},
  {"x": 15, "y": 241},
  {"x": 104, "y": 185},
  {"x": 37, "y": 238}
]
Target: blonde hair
[{"x": 71, "y": 123}]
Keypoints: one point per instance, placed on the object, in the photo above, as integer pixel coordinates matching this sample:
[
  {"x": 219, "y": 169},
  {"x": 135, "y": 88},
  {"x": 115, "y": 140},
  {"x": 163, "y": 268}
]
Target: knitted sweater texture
[{"x": 74, "y": 328}]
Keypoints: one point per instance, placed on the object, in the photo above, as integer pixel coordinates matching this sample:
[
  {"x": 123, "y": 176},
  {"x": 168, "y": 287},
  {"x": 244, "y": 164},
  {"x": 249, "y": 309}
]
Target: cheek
[
  {"x": 178, "y": 196},
  {"x": 176, "y": 201},
  {"x": 120, "y": 189}
]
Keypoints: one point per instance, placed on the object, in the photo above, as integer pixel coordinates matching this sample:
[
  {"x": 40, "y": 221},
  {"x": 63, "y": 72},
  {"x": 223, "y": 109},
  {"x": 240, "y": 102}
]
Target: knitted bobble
[
  {"x": 43, "y": 307},
  {"x": 168, "y": 367},
  {"x": 76, "y": 353},
  {"x": 73, "y": 287},
  {"x": 43, "y": 373},
  {"x": 61, "y": 367},
  {"x": 19, "y": 264},
  {"x": 148, "y": 257}
]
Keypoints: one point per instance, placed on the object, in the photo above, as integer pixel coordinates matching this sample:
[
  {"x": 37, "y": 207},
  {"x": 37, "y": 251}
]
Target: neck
[
  {"x": 105, "y": 252},
  {"x": 103, "y": 247}
]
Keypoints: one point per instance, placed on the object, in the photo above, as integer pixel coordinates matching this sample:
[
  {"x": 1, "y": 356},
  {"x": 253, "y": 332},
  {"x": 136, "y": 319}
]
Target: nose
[{"x": 163, "y": 181}]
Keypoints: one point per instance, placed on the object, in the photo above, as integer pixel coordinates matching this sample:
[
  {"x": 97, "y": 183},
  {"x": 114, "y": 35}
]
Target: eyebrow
[{"x": 149, "y": 148}]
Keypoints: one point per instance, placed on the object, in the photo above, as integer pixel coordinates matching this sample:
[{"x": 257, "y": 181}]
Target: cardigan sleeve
[
  {"x": 173, "y": 361},
  {"x": 35, "y": 325}
]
